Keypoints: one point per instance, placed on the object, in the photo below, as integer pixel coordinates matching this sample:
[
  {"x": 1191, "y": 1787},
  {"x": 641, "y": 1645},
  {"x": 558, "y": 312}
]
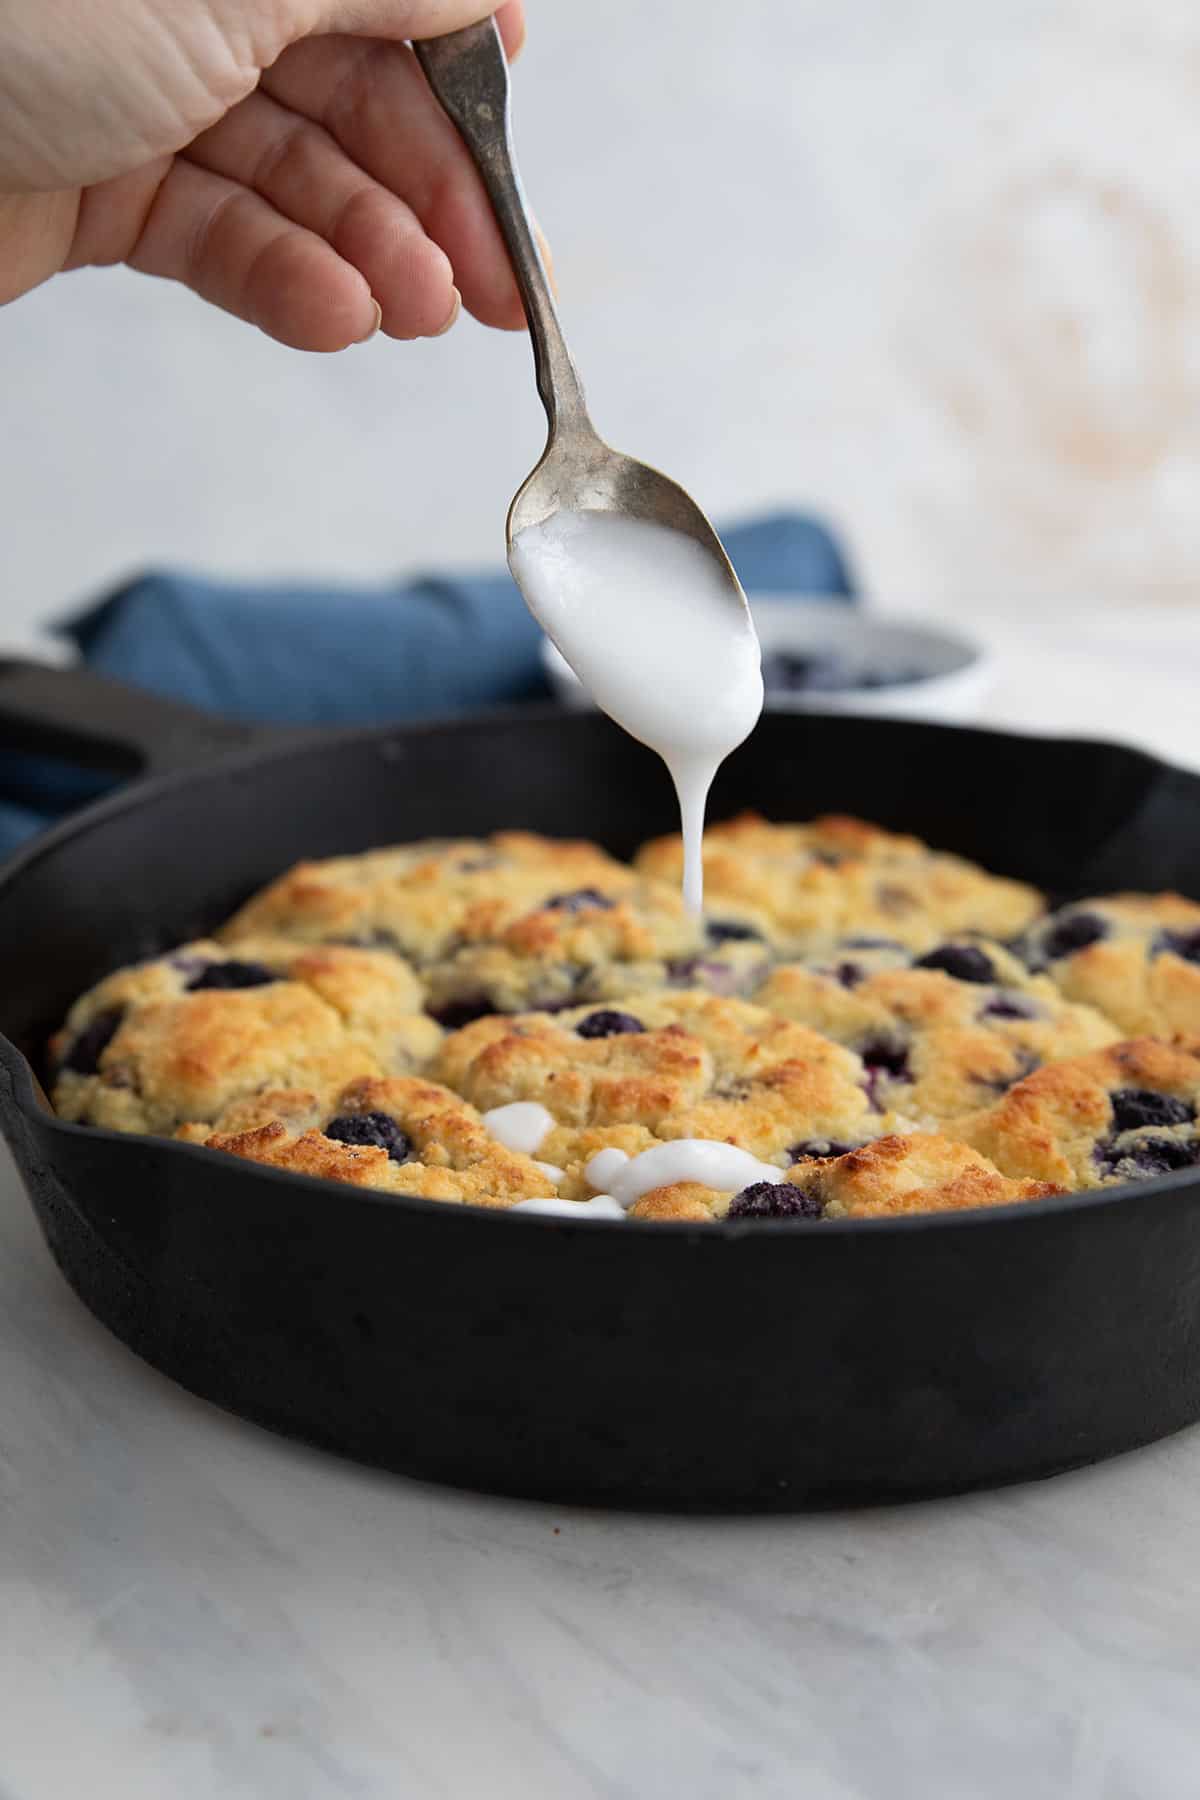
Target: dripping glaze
[{"x": 647, "y": 624}]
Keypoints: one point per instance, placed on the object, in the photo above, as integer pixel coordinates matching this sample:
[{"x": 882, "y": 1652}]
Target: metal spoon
[{"x": 578, "y": 471}]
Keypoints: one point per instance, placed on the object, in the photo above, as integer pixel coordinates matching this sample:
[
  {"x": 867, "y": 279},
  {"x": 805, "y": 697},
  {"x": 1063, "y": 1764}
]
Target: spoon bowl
[{"x": 579, "y": 472}]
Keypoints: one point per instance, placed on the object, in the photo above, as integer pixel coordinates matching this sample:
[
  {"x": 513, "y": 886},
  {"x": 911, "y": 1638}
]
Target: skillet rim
[{"x": 271, "y": 743}]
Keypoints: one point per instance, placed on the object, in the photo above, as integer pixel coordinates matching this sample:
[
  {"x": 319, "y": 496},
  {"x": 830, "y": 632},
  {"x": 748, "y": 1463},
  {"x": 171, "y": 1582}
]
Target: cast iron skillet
[{"x": 757, "y": 1366}]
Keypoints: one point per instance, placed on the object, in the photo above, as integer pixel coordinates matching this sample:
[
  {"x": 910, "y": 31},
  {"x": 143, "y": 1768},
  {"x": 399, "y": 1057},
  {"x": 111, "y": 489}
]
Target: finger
[
  {"x": 302, "y": 172},
  {"x": 233, "y": 249},
  {"x": 35, "y": 239},
  {"x": 113, "y": 214},
  {"x": 373, "y": 99}
]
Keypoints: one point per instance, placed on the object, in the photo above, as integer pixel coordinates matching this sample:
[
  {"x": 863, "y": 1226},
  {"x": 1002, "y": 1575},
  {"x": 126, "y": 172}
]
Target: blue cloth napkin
[{"x": 291, "y": 655}]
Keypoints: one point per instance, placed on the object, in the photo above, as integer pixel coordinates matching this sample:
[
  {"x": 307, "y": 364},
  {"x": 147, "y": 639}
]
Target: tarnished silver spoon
[{"x": 578, "y": 471}]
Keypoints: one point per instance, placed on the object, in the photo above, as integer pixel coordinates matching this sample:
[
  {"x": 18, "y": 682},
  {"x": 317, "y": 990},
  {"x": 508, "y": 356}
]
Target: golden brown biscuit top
[
  {"x": 1125, "y": 1113},
  {"x": 682, "y": 1054},
  {"x": 898, "y": 1175},
  {"x": 509, "y": 924},
  {"x": 890, "y": 1177},
  {"x": 401, "y": 1135},
  {"x": 181, "y": 1037},
  {"x": 427, "y": 898},
  {"x": 682, "y": 1065},
  {"x": 837, "y": 876},
  {"x": 934, "y": 1046},
  {"x": 1134, "y": 956}
]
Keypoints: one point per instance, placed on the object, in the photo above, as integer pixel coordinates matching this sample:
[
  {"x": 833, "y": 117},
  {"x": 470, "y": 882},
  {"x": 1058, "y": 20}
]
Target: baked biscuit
[
  {"x": 885, "y": 1179},
  {"x": 662, "y": 1067},
  {"x": 1122, "y": 1114},
  {"x": 838, "y": 877},
  {"x": 424, "y": 899},
  {"x": 942, "y": 1039},
  {"x": 918, "y": 1174},
  {"x": 182, "y": 1037},
  {"x": 507, "y": 924},
  {"x": 1134, "y": 956},
  {"x": 398, "y": 1134},
  {"x": 585, "y": 947}
]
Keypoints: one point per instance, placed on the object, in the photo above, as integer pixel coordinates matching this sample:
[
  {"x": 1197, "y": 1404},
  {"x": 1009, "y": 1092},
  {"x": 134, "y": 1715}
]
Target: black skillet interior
[{"x": 748, "y": 1367}]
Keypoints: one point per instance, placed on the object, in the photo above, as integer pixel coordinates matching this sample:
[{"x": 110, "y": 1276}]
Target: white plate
[{"x": 956, "y": 671}]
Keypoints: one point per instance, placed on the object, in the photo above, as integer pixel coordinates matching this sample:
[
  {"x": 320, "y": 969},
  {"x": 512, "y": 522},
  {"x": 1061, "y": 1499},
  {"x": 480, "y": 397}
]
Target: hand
[{"x": 283, "y": 158}]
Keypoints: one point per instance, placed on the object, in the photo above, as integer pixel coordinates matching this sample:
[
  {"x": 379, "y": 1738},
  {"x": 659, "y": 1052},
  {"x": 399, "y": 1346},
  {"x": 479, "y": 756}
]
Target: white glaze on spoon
[
  {"x": 649, "y": 626},
  {"x": 522, "y": 1125},
  {"x": 720, "y": 1166}
]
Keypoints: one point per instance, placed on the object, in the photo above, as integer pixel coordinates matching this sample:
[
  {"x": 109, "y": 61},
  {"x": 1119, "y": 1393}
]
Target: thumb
[{"x": 413, "y": 18}]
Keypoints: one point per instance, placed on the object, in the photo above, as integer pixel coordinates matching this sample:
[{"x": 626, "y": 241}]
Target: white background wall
[{"x": 928, "y": 265}]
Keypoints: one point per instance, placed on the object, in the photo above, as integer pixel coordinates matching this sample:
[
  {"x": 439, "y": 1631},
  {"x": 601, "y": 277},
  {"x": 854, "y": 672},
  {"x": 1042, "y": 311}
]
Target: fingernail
[
  {"x": 454, "y": 312},
  {"x": 547, "y": 258},
  {"x": 368, "y": 335}
]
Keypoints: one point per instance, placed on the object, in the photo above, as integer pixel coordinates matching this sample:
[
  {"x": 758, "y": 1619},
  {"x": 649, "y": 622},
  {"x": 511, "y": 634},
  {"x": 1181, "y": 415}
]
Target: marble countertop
[{"x": 193, "y": 1608}]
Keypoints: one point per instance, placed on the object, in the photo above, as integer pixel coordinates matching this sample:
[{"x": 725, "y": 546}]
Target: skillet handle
[{"x": 93, "y": 721}]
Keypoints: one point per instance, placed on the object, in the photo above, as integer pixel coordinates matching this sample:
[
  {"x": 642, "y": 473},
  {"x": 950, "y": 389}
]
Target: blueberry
[
  {"x": 1147, "y": 1157},
  {"x": 687, "y": 971},
  {"x": 731, "y": 931},
  {"x": 85, "y": 1053},
  {"x": 733, "y": 1088},
  {"x": 580, "y": 900},
  {"x": 965, "y": 962},
  {"x": 870, "y": 943},
  {"x": 457, "y": 1013},
  {"x": 1180, "y": 943},
  {"x": 849, "y": 973},
  {"x": 1134, "y": 1107},
  {"x": 820, "y": 1149},
  {"x": 774, "y": 1200},
  {"x": 681, "y": 969},
  {"x": 371, "y": 1128},
  {"x": 233, "y": 975},
  {"x": 886, "y": 1055},
  {"x": 1074, "y": 932},
  {"x": 1008, "y": 1005},
  {"x": 605, "y": 1023},
  {"x": 1024, "y": 1063},
  {"x": 882, "y": 1059}
]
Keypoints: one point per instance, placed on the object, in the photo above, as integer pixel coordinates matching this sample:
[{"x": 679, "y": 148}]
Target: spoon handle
[{"x": 468, "y": 71}]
